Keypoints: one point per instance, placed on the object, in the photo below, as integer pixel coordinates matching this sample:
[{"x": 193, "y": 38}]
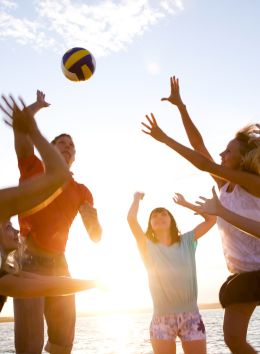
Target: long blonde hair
[{"x": 249, "y": 141}]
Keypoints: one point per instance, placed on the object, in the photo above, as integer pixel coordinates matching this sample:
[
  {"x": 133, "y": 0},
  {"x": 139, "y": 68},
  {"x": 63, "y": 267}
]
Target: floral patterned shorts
[{"x": 188, "y": 326}]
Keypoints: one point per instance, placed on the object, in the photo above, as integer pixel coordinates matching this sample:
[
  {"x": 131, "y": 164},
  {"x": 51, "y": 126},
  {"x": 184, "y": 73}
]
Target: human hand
[
  {"x": 21, "y": 120},
  {"x": 90, "y": 214},
  {"x": 209, "y": 206},
  {"x": 138, "y": 196},
  {"x": 40, "y": 100},
  {"x": 174, "y": 97},
  {"x": 178, "y": 198},
  {"x": 153, "y": 129}
]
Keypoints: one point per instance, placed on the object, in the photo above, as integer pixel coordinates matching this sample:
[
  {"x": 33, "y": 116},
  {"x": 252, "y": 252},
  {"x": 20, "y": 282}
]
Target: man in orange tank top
[{"x": 45, "y": 234}]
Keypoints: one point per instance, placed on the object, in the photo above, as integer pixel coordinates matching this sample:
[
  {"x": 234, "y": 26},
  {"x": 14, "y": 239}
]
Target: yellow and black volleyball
[{"x": 78, "y": 64}]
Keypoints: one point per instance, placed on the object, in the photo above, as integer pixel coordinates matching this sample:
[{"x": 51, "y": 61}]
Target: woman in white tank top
[{"x": 238, "y": 179}]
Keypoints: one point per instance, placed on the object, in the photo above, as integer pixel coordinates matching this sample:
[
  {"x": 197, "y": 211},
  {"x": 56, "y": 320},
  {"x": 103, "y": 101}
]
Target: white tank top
[{"x": 241, "y": 251}]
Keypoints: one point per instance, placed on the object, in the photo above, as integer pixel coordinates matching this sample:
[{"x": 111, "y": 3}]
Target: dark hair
[
  {"x": 54, "y": 141},
  {"x": 173, "y": 228}
]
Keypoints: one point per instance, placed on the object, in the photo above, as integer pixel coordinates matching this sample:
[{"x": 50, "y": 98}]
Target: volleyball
[{"x": 78, "y": 64}]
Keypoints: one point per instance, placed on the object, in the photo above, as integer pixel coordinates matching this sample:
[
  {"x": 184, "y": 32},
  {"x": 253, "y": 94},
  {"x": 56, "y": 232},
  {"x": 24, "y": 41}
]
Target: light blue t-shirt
[{"x": 172, "y": 275}]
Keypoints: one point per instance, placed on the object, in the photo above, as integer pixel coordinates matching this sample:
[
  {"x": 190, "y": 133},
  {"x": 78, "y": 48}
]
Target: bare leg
[
  {"x": 235, "y": 326},
  {"x": 163, "y": 346},
  {"x": 194, "y": 347},
  {"x": 28, "y": 325},
  {"x": 60, "y": 317}
]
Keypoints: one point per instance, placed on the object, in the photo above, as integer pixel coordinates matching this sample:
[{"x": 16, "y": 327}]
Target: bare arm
[
  {"x": 135, "y": 226},
  {"x": 214, "y": 207},
  {"x": 248, "y": 181},
  {"x": 22, "y": 142},
  {"x": 37, "y": 189},
  {"x": 192, "y": 131},
  {"x": 28, "y": 285},
  {"x": 90, "y": 220},
  {"x": 179, "y": 199},
  {"x": 194, "y": 136},
  {"x": 206, "y": 225}
]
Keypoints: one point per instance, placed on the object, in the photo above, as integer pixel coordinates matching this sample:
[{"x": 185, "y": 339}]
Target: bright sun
[{"x": 121, "y": 275}]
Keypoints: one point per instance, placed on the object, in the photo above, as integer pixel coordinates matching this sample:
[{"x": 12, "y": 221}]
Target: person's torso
[
  {"x": 241, "y": 251},
  {"x": 172, "y": 275},
  {"x": 49, "y": 227}
]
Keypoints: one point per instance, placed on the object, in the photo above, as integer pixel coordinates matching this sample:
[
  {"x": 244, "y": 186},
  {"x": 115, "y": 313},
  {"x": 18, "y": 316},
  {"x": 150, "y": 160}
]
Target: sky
[{"x": 212, "y": 46}]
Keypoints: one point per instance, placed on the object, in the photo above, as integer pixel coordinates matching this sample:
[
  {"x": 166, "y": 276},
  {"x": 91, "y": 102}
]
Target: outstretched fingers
[
  {"x": 7, "y": 123},
  {"x": 176, "y": 196},
  {"x": 7, "y": 102},
  {"x": 150, "y": 120},
  {"x": 202, "y": 201},
  {"x": 41, "y": 99},
  {"x": 12, "y": 107},
  {"x": 203, "y": 198},
  {"x": 172, "y": 81},
  {"x": 22, "y": 102},
  {"x": 152, "y": 124},
  {"x": 214, "y": 192},
  {"x": 15, "y": 106},
  {"x": 153, "y": 120},
  {"x": 5, "y": 111},
  {"x": 175, "y": 84},
  {"x": 146, "y": 126}
]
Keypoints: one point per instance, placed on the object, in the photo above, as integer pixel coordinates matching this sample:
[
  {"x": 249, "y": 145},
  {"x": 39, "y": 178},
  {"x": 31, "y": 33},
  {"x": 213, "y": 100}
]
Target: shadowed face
[
  {"x": 66, "y": 147},
  {"x": 8, "y": 236},
  {"x": 232, "y": 157}
]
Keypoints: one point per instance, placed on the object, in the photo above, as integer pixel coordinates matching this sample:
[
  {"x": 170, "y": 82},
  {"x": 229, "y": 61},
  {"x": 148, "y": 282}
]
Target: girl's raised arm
[{"x": 134, "y": 224}]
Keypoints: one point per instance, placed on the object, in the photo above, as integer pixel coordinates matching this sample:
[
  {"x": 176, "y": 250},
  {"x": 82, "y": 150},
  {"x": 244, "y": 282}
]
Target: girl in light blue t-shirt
[{"x": 169, "y": 258}]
